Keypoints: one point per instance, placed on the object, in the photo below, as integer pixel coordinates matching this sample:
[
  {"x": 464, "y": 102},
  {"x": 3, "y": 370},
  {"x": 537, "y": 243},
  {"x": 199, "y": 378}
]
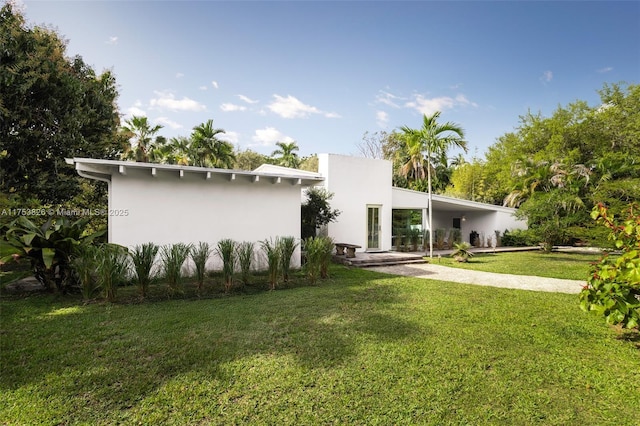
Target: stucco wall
[
  {"x": 167, "y": 209},
  {"x": 357, "y": 183}
]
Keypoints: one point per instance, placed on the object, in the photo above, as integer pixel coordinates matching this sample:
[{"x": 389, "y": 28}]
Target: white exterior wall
[
  {"x": 356, "y": 184},
  {"x": 167, "y": 209}
]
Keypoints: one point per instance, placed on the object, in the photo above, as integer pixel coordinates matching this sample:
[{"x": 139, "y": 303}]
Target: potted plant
[{"x": 461, "y": 252}]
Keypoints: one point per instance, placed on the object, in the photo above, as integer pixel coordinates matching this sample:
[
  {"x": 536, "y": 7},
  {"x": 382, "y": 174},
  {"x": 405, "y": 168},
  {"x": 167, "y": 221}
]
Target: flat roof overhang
[{"x": 103, "y": 170}]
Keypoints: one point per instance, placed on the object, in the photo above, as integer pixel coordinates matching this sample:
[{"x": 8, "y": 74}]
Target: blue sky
[{"x": 323, "y": 73}]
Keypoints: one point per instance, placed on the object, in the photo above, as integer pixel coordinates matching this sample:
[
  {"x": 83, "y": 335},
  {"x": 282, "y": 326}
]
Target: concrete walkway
[{"x": 444, "y": 273}]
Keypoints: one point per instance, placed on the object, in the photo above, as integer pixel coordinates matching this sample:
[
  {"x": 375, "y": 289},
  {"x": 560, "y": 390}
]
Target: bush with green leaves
[
  {"x": 455, "y": 236},
  {"x": 413, "y": 235},
  {"x": 316, "y": 211},
  {"x": 49, "y": 247},
  {"x": 245, "y": 255},
  {"x": 227, "y": 252},
  {"x": 613, "y": 289},
  {"x": 441, "y": 235},
  {"x": 112, "y": 266},
  {"x": 327, "y": 253},
  {"x": 288, "y": 246},
  {"x": 200, "y": 255},
  {"x": 314, "y": 252},
  {"x": 173, "y": 257},
  {"x": 85, "y": 265},
  {"x": 272, "y": 251},
  {"x": 143, "y": 257},
  {"x": 518, "y": 238},
  {"x": 461, "y": 252}
]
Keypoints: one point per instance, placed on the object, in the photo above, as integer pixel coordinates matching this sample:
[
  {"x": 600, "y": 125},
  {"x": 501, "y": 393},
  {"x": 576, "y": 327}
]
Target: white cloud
[
  {"x": 291, "y": 107},
  {"x": 269, "y": 136},
  {"x": 232, "y": 137},
  {"x": 112, "y": 40},
  {"x": 247, "y": 100},
  {"x": 167, "y": 100},
  {"x": 605, "y": 69},
  {"x": 179, "y": 75},
  {"x": 202, "y": 87},
  {"x": 462, "y": 100},
  {"x": 166, "y": 122},
  {"x": 429, "y": 106},
  {"x": 136, "y": 110},
  {"x": 214, "y": 84},
  {"x": 382, "y": 118},
  {"x": 546, "y": 77},
  {"x": 388, "y": 99},
  {"x": 231, "y": 107}
]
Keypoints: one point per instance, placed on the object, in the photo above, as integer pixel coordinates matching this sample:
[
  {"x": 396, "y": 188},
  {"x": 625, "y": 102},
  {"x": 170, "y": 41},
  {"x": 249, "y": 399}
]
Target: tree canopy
[
  {"x": 557, "y": 168},
  {"x": 51, "y": 107}
]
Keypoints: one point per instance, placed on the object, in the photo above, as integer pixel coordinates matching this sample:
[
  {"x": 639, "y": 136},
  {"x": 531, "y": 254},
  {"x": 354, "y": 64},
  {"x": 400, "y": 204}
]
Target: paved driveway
[{"x": 522, "y": 282}]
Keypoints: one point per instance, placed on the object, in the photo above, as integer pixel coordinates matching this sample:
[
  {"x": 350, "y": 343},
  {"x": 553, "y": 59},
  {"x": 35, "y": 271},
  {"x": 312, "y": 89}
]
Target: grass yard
[
  {"x": 574, "y": 266},
  {"x": 361, "y": 348}
]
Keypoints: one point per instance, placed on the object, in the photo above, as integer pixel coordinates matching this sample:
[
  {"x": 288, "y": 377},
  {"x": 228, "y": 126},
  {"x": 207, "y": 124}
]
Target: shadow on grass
[
  {"x": 632, "y": 336},
  {"x": 114, "y": 355}
]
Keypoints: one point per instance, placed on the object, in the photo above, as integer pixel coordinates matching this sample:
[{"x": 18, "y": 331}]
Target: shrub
[
  {"x": 461, "y": 252},
  {"x": 173, "y": 257},
  {"x": 200, "y": 255},
  {"x": 287, "y": 247},
  {"x": 271, "y": 249},
  {"x": 315, "y": 250},
  {"x": 518, "y": 238},
  {"x": 327, "y": 251},
  {"x": 143, "y": 258},
  {"x": 112, "y": 268},
  {"x": 227, "y": 252},
  {"x": 316, "y": 211},
  {"x": 455, "y": 236},
  {"x": 245, "y": 260},
  {"x": 613, "y": 289},
  {"x": 440, "y": 236},
  {"x": 85, "y": 265},
  {"x": 413, "y": 235},
  {"x": 49, "y": 247}
]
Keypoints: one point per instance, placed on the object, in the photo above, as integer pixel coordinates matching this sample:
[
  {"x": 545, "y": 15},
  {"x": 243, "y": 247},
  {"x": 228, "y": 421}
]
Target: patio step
[{"x": 364, "y": 260}]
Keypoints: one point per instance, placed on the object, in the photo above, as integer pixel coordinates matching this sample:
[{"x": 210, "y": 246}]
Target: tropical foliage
[
  {"x": 424, "y": 149},
  {"x": 285, "y": 155},
  {"x": 50, "y": 248},
  {"x": 52, "y": 106},
  {"x": 143, "y": 257},
  {"x": 316, "y": 211},
  {"x": 557, "y": 168},
  {"x": 614, "y": 283}
]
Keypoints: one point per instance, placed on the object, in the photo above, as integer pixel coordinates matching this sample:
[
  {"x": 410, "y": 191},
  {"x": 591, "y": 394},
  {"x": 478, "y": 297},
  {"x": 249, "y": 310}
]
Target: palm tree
[
  {"x": 433, "y": 139},
  {"x": 206, "y": 150},
  {"x": 175, "y": 152},
  {"x": 287, "y": 156},
  {"x": 141, "y": 139}
]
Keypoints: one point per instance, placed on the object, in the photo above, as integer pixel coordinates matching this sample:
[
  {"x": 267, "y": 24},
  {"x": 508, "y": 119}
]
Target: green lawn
[
  {"x": 572, "y": 266},
  {"x": 361, "y": 348}
]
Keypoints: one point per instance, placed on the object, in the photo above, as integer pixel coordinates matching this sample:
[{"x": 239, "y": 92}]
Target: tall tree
[
  {"x": 285, "y": 155},
  {"x": 207, "y": 150},
  {"x": 142, "y": 144},
  {"x": 249, "y": 160},
  {"x": 51, "y": 107},
  {"x": 433, "y": 139}
]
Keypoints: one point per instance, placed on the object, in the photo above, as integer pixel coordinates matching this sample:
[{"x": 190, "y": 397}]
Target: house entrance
[{"x": 373, "y": 227}]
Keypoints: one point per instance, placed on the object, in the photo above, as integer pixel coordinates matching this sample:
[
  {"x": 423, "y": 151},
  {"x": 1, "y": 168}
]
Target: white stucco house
[{"x": 170, "y": 203}]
